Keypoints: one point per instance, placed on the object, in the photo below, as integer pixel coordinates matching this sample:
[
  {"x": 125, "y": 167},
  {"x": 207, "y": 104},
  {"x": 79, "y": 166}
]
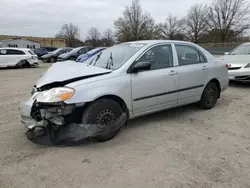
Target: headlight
[
  {"x": 248, "y": 65},
  {"x": 55, "y": 95}
]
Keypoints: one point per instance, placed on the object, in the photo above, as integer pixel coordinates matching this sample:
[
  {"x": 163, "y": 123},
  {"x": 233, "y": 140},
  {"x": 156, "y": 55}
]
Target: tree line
[{"x": 221, "y": 21}]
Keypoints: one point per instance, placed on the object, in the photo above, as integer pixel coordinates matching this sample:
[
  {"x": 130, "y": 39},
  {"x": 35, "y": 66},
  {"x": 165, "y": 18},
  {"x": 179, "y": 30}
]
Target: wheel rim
[
  {"x": 210, "y": 95},
  {"x": 105, "y": 117}
]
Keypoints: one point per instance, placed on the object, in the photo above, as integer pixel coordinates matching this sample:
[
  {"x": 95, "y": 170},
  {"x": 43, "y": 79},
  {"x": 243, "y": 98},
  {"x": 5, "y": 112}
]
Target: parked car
[
  {"x": 40, "y": 52},
  {"x": 52, "y": 57},
  {"x": 73, "y": 54},
  {"x": 89, "y": 54},
  {"x": 17, "y": 57},
  {"x": 133, "y": 78},
  {"x": 239, "y": 63}
]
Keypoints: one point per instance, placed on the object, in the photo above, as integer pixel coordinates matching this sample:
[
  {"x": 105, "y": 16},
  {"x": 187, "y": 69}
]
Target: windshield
[
  {"x": 94, "y": 51},
  {"x": 76, "y": 49},
  {"x": 115, "y": 56},
  {"x": 241, "y": 50},
  {"x": 56, "y": 51}
]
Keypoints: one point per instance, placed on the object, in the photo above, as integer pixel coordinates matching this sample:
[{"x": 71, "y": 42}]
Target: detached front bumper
[{"x": 40, "y": 119}]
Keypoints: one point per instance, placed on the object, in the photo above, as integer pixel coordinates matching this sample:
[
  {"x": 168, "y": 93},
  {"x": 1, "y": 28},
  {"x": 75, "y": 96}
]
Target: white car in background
[
  {"x": 17, "y": 57},
  {"x": 238, "y": 61}
]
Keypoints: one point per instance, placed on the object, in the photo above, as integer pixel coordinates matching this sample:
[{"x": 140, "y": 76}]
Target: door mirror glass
[
  {"x": 226, "y": 53},
  {"x": 140, "y": 66}
]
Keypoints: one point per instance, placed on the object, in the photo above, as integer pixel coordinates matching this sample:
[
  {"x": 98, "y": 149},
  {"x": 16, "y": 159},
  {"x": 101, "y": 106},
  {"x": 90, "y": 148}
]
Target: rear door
[
  {"x": 3, "y": 61},
  {"x": 193, "y": 73},
  {"x": 14, "y": 56}
]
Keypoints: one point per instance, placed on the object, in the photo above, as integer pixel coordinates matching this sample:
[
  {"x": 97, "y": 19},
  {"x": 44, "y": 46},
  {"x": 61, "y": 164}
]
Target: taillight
[{"x": 227, "y": 66}]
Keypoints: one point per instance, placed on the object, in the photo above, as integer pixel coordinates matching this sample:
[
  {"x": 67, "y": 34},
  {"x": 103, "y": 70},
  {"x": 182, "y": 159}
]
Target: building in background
[
  {"x": 44, "y": 41},
  {"x": 19, "y": 43}
]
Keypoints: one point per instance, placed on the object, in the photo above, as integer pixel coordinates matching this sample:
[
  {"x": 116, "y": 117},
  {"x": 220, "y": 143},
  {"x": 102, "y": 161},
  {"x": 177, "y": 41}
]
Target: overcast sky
[{"x": 45, "y": 17}]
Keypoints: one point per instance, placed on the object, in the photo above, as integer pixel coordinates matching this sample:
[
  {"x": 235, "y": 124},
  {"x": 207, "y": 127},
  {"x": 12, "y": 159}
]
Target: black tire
[
  {"x": 93, "y": 114},
  {"x": 52, "y": 60},
  {"x": 209, "y": 96},
  {"x": 72, "y": 58}
]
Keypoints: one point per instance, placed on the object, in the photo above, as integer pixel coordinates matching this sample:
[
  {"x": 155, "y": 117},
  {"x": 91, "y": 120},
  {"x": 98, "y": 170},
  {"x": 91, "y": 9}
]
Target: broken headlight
[{"x": 57, "y": 94}]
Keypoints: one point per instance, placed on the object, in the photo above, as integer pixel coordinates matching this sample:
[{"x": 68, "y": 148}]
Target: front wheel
[
  {"x": 209, "y": 96},
  {"x": 72, "y": 58},
  {"x": 104, "y": 112},
  {"x": 52, "y": 60}
]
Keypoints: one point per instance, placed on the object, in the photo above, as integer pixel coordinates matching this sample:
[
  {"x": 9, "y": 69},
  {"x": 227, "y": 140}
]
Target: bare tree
[
  {"x": 71, "y": 33},
  {"x": 134, "y": 24},
  {"x": 171, "y": 27},
  {"x": 229, "y": 16},
  {"x": 197, "y": 22},
  {"x": 108, "y": 38},
  {"x": 94, "y": 36}
]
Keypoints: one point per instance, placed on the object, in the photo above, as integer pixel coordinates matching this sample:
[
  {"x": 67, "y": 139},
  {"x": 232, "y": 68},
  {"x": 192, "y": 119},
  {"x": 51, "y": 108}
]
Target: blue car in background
[{"x": 89, "y": 54}]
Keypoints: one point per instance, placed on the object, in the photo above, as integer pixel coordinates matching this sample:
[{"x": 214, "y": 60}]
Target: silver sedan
[
  {"x": 120, "y": 83},
  {"x": 238, "y": 63}
]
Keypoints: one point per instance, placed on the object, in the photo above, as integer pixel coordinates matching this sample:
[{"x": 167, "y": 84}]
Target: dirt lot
[{"x": 179, "y": 148}]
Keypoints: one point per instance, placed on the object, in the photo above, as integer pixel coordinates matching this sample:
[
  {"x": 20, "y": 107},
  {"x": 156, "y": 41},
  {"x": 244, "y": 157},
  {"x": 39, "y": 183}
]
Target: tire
[
  {"x": 97, "y": 112},
  {"x": 72, "y": 59},
  {"x": 52, "y": 59},
  {"x": 209, "y": 96}
]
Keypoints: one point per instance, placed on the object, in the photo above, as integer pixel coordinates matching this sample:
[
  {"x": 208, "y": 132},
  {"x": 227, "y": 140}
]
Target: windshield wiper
[
  {"x": 97, "y": 57},
  {"x": 110, "y": 61}
]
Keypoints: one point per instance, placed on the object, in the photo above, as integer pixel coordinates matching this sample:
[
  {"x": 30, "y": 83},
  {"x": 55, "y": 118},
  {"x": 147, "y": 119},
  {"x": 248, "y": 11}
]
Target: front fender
[{"x": 88, "y": 92}]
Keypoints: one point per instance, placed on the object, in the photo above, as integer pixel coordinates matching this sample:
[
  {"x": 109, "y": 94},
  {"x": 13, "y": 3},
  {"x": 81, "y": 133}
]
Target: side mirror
[
  {"x": 141, "y": 66},
  {"x": 226, "y": 53}
]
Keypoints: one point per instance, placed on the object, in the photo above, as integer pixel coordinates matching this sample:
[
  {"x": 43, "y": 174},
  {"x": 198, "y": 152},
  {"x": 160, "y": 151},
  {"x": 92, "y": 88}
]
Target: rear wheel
[
  {"x": 104, "y": 112},
  {"x": 209, "y": 96}
]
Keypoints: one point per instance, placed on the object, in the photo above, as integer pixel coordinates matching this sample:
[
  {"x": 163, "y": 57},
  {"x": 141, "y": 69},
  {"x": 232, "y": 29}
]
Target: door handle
[
  {"x": 204, "y": 68},
  {"x": 172, "y": 73}
]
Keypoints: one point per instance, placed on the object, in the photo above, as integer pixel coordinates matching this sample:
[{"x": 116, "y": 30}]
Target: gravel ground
[{"x": 179, "y": 148}]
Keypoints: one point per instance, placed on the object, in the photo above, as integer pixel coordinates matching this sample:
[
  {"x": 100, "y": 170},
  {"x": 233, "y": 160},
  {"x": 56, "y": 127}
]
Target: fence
[{"x": 220, "y": 48}]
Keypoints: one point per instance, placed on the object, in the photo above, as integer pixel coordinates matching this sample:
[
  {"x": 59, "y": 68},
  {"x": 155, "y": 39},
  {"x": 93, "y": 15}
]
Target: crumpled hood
[
  {"x": 68, "y": 70},
  {"x": 236, "y": 59}
]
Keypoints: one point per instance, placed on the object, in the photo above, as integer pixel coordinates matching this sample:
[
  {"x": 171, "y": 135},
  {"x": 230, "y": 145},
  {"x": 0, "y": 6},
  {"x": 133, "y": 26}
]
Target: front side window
[
  {"x": 116, "y": 56},
  {"x": 188, "y": 55},
  {"x": 159, "y": 56}
]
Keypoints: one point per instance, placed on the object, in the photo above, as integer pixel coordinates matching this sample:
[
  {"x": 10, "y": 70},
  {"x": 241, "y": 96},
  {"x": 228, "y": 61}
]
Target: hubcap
[
  {"x": 210, "y": 95},
  {"x": 105, "y": 117}
]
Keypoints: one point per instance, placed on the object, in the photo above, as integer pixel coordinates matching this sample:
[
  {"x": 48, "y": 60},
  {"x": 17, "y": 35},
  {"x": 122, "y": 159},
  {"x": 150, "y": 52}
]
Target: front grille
[{"x": 234, "y": 68}]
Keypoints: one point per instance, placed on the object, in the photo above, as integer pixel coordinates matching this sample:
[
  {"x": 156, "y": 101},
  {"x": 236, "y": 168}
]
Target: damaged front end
[{"x": 59, "y": 123}]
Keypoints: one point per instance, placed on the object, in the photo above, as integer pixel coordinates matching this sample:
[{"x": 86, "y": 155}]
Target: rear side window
[
  {"x": 188, "y": 55},
  {"x": 15, "y": 52}
]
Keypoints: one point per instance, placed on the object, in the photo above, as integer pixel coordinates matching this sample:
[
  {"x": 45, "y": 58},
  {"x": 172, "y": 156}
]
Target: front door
[
  {"x": 155, "y": 89},
  {"x": 193, "y": 73}
]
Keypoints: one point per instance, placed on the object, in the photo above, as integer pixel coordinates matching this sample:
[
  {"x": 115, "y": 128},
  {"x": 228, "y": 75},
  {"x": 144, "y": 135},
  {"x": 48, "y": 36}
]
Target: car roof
[
  {"x": 23, "y": 49},
  {"x": 152, "y": 42}
]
